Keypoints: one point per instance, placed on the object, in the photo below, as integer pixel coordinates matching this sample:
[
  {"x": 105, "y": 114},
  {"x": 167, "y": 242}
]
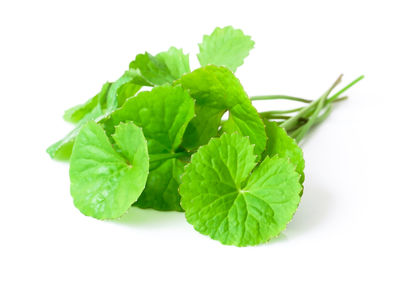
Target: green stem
[
  {"x": 325, "y": 115},
  {"x": 291, "y": 123},
  {"x": 273, "y": 97},
  {"x": 334, "y": 98},
  {"x": 273, "y": 114},
  {"x": 304, "y": 129},
  {"x": 336, "y": 95},
  {"x": 274, "y": 117},
  {"x": 267, "y": 113},
  {"x": 337, "y": 100},
  {"x": 294, "y": 133}
]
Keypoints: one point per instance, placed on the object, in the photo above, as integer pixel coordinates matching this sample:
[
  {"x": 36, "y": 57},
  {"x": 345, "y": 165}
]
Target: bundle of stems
[{"x": 297, "y": 122}]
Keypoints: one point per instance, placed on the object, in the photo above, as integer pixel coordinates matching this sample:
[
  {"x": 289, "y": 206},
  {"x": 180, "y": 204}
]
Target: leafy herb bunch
[{"x": 238, "y": 180}]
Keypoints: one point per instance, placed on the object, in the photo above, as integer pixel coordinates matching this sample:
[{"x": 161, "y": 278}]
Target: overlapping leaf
[
  {"x": 161, "y": 191},
  {"x": 110, "y": 97},
  {"x": 216, "y": 90},
  {"x": 280, "y": 143},
  {"x": 94, "y": 106},
  {"x": 163, "y": 68},
  {"x": 225, "y": 197},
  {"x": 105, "y": 182},
  {"x": 163, "y": 113}
]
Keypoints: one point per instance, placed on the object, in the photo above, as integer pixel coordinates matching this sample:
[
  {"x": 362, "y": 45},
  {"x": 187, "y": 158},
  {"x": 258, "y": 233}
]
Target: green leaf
[
  {"x": 163, "y": 68},
  {"x": 176, "y": 61},
  {"x": 161, "y": 187},
  {"x": 93, "y": 105},
  {"x": 112, "y": 96},
  {"x": 104, "y": 103},
  {"x": 138, "y": 78},
  {"x": 127, "y": 91},
  {"x": 217, "y": 90},
  {"x": 62, "y": 149},
  {"x": 244, "y": 119},
  {"x": 203, "y": 126},
  {"x": 280, "y": 143},
  {"x": 104, "y": 183},
  {"x": 226, "y": 197},
  {"x": 163, "y": 113},
  {"x": 225, "y": 46}
]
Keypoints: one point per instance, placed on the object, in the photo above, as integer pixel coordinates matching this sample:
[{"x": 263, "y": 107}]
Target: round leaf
[
  {"x": 225, "y": 46},
  {"x": 225, "y": 197},
  {"x": 104, "y": 182}
]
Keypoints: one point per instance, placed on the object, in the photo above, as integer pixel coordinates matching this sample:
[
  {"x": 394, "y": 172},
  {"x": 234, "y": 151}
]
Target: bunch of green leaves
[{"x": 238, "y": 180}]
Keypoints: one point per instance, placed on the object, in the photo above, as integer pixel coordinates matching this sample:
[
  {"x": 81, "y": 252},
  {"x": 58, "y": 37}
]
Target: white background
[{"x": 55, "y": 54}]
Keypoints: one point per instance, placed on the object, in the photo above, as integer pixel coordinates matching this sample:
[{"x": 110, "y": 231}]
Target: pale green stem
[
  {"x": 290, "y": 123},
  {"x": 273, "y": 97}
]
